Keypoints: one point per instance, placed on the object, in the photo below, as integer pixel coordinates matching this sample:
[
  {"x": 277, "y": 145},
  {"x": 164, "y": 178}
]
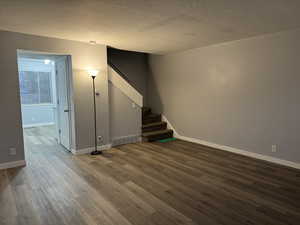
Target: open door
[{"x": 63, "y": 106}]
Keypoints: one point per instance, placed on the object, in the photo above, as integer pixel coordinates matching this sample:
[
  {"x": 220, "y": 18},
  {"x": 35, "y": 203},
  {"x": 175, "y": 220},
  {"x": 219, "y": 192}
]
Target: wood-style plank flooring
[{"x": 146, "y": 183}]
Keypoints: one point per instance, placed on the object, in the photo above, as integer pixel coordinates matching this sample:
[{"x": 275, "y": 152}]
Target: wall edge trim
[
  {"x": 12, "y": 164},
  {"x": 125, "y": 87},
  {"x": 233, "y": 150}
]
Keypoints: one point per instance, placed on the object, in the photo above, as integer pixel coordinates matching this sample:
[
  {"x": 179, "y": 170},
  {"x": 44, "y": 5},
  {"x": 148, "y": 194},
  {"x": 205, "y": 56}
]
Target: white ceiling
[{"x": 154, "y": 26}]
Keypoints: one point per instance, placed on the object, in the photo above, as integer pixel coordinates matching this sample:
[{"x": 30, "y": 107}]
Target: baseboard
[
  {"x": 89, "y": 150},
  {"x": 38, "y": 125},
  {"x": 169, "y": 125},
  {"x": 12, "y": 164},
  {"x": 234, "y": 150}
]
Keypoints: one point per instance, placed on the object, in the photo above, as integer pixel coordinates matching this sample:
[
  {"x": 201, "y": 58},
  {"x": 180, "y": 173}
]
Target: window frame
[{"x": 38, "y": 87}]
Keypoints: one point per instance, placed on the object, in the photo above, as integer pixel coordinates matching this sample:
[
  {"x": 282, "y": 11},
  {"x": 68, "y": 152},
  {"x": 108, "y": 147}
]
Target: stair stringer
[{"x": 118, "y": 81}]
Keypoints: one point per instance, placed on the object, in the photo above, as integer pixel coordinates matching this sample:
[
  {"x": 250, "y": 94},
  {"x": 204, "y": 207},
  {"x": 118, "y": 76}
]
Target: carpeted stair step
[
  {"x": 157, "y": 135},
  {"x": 154, "y": 126},
  {"x": 151, "y": 118},
  {"x": 146, "y": 111}
]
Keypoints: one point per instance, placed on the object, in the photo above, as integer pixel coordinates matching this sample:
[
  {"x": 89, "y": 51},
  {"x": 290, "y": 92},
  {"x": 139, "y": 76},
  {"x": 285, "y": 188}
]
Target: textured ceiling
[{"x": 154, "y": 26}]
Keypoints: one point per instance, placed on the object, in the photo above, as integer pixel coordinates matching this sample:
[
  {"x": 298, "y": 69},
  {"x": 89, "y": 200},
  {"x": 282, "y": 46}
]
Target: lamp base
[{"x": 96, "y": 152}]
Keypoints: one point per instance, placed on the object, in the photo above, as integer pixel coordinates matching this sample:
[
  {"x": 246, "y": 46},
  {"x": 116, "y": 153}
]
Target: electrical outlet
[
  {"x": 12, "y": 151},
  {"x": 99, "y": 138},
  {"x": 274, "y": 148}
]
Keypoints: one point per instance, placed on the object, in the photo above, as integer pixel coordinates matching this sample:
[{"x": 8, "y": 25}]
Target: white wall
[
  {"x": 84, "y": 56},
  {"x": 38, "y": 115},
  {"x": 242, "y": 94}
]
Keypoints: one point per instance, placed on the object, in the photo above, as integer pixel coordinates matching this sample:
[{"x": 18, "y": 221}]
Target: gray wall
[
  {"x": 243, "y": 94},
  {"x": 83, "y": 56},
  {"x": 125, "y": 120},
  {"x": 134, "y": 65}
]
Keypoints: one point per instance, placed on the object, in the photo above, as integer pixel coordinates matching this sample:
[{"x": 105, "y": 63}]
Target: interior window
[{"x": 35, "y": 87}]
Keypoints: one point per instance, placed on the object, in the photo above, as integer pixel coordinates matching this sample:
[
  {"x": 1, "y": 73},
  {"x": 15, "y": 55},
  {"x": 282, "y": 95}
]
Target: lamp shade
[{"x": 93, "y": 73}]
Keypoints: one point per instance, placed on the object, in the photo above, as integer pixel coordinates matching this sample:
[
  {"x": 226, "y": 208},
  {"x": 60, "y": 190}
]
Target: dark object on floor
[{"x": 167, "y": 140}]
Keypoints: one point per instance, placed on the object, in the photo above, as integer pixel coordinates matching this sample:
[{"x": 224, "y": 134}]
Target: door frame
[{"x": 70, "y": 90}]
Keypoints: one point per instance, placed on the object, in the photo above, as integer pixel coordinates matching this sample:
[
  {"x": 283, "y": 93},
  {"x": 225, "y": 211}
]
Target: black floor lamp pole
[{"x": 96, "y": 151}]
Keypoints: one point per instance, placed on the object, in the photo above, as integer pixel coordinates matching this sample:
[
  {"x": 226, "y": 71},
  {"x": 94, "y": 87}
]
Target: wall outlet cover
[
  {"x": 274, "y": 148},
  {"x": 99, "y": 138},
  {"x": 12, "y": 151}
]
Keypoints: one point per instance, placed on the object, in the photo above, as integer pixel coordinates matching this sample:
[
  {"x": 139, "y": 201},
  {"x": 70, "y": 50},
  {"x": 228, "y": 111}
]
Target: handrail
[{"x": 123, "y": 75}]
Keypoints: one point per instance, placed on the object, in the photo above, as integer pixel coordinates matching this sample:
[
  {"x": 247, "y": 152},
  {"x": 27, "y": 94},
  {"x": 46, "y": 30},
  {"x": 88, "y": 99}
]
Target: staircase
[{"x": 153, "y": 128}]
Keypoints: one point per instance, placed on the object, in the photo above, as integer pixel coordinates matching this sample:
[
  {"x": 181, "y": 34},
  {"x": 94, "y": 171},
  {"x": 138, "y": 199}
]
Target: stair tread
[
  {"x": 147, "y": 134},
  {"x": 153, "y": 128},
  {"x": 152, "y": 115},
  {"x": 153, "y": 124}
]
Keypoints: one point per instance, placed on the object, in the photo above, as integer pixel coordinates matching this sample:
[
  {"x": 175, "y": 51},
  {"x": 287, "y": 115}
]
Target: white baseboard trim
[
  {"x": 164, "y": 118},
  {"x": 140, "y": 139},
  {"x": 89, "y": 150},
  {"x": 38, "y": 125},
  {"x": 241, "y": 152},
  {"x": 12, "y": 164},
  {"x": 234, "y": 150}
]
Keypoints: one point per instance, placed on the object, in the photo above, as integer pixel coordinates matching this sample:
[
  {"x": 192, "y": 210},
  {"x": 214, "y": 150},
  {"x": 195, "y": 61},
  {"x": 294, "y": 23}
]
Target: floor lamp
[{"x": 93, "y": 74}]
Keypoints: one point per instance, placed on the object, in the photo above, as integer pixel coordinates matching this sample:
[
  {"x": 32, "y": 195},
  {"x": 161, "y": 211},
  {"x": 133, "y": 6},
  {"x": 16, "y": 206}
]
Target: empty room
[{"x": 134, "y": 112}]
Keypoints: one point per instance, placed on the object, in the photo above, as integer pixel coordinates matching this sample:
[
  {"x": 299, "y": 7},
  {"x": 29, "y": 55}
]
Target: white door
[{"x": 63, "y": 110}]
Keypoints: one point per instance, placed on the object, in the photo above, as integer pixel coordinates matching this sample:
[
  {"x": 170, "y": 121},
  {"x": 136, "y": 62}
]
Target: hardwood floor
[{"x": 146, "y": 183}]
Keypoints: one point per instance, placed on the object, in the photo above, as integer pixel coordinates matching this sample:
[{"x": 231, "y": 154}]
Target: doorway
[{"x": 45, "y": 101}]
